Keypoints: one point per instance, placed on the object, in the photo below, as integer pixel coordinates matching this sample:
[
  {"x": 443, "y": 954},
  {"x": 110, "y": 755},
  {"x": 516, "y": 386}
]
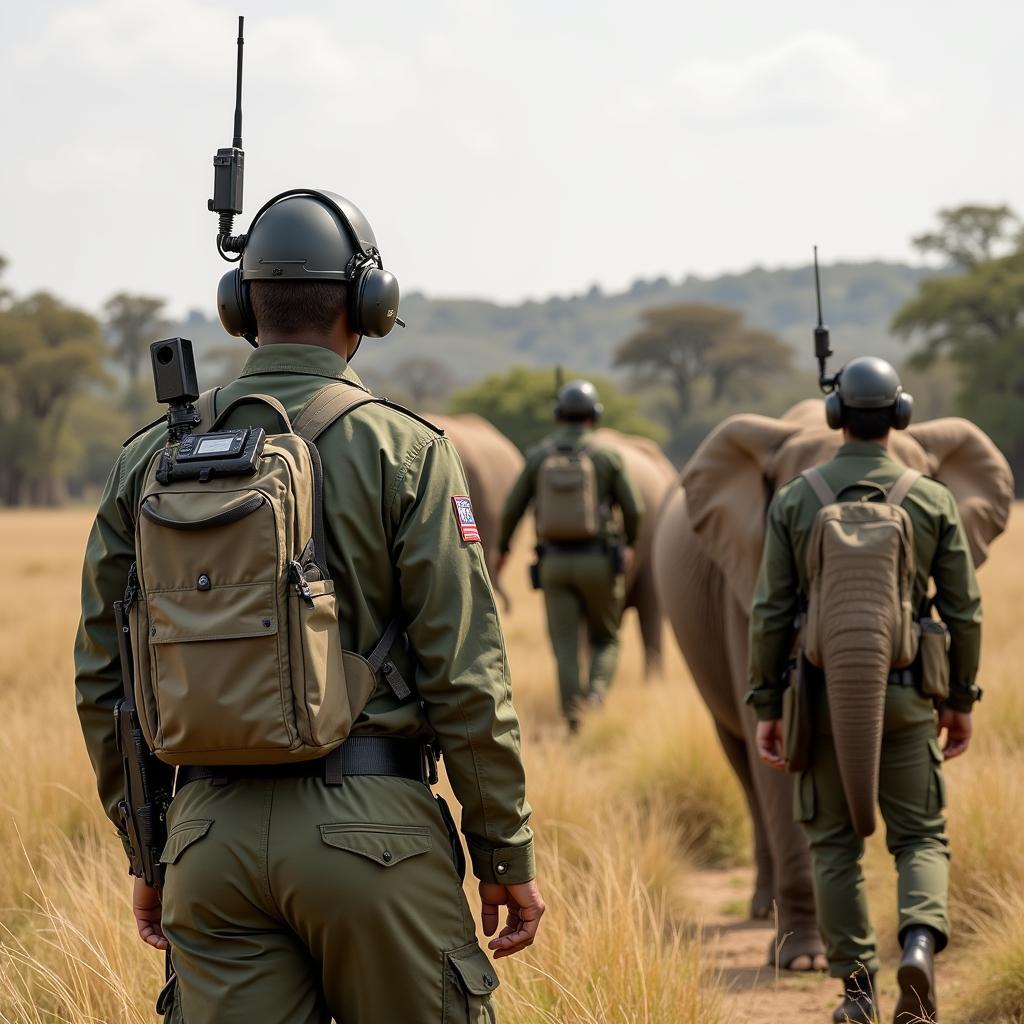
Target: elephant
[
  {"x": 492, "y": 463},
  {"x": 707, "y": 552},
  {"x": 654, "y": 477}
]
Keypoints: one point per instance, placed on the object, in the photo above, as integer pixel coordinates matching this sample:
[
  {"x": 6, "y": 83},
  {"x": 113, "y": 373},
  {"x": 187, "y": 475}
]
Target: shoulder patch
[{"x": 466, "y": 519}]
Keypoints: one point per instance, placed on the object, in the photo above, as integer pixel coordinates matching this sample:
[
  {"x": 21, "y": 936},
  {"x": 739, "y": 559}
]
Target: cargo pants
[
  {"x": 291, "y": 902},
  {"x": 582, "y": 590},
  {"x": 911, "y": 797}
]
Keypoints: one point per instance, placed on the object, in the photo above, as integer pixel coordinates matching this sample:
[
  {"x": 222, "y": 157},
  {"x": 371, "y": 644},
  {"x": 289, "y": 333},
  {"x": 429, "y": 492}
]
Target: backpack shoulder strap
[
  {"x": 817, "y": 484},
  {"x": 206, "y": 408},
  {"x": 257, "y": 399},
  {"x": 899, "y": 490},
  {"x": 329, "y": 405}
]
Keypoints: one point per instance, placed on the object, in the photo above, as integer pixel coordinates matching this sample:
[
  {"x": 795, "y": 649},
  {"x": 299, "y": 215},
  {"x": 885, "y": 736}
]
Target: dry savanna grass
[{"x": 627, "y": 817}]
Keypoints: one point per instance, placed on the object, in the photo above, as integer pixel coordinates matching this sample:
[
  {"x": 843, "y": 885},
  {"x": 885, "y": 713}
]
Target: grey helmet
[
  {"x": 578, "y": 400},
  {"x": 868, "y": 383}
]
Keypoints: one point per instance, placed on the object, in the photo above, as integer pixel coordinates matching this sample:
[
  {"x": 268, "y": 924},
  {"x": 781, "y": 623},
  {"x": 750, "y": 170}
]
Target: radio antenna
[
  {"x": 822, "y": 342},
  {"x": 229, "y": 172},
  {"x": 237, "y": 141}
]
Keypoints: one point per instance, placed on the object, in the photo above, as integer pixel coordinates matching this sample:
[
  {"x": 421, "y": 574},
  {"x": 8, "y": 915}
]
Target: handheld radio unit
[
  {"x": 822, "y": 341},
  {"x": 229, "y": 173}
]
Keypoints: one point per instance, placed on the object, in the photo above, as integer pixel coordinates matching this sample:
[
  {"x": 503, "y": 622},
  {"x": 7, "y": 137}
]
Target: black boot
[
  {"x": 916, "y": 977},
  {"x": 858, "y": 1005}
]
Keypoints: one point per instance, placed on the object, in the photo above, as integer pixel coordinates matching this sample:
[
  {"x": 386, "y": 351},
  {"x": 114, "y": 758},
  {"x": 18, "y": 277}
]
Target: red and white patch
[{"x": 466, "y": 519}]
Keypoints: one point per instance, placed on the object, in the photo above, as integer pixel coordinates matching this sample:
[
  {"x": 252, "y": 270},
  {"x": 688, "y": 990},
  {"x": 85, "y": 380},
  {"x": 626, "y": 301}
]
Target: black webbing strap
[
  {"x": 380, "y": 660},
  {"x": 358, "y": 755}
]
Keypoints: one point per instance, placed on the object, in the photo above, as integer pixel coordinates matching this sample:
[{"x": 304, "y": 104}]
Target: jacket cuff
[
  {"x": 767, "y": 704},
  {"x": 509, "y": 865},
  {"x": 127, "y": 848},
  {"x": 963, "y": 700}
]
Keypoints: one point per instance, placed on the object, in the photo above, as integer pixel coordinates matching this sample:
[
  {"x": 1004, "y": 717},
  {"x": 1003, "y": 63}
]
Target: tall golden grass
[{"x": 625, "y": 816}]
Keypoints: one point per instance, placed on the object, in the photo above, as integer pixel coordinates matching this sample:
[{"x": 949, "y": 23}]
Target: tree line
[{"x": 73, "y": 385}]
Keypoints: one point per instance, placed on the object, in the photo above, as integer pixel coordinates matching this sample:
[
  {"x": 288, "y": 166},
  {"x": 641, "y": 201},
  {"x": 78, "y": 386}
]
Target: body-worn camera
[{"x": 197, "y": 456}]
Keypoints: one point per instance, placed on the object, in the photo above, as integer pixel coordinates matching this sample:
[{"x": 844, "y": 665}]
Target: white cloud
[{"x": 810, "y": 75}]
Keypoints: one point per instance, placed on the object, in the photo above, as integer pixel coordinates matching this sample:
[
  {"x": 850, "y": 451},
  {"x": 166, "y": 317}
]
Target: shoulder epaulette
[
  {"x": 141, "y": 431},
  {"x": 412, "y": 415}
]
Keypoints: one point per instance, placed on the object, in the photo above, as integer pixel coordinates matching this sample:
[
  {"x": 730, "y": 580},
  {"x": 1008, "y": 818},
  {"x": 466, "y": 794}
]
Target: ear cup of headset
[
  {"x": 902, "y": 411},
  {"x": 233, "y": 305},
  {"x": 373, "y": 303},
  {"x": 834, "y": 410}
]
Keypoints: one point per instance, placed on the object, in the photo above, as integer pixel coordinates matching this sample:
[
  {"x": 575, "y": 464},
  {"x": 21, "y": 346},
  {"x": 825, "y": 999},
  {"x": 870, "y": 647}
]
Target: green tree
[
  {"x": 49, "y": 353},
  {"x": 975, "y": 320},
  {"x": 520, "y": 404},
  {"x": 972, "y": 234},
  {"x": 691, "y": 343},
  {"x": 134, "y": 321}
]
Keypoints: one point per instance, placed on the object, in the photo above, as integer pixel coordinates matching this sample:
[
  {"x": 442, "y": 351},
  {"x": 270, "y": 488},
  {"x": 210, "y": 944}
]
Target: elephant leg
[
  {"x": 764, "y": 884},
  {"x": 644, "y": 598},
  {"x": 798, "y": 938}
]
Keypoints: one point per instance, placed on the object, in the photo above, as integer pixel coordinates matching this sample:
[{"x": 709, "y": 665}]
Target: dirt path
[{"x": 738, "y": 948}]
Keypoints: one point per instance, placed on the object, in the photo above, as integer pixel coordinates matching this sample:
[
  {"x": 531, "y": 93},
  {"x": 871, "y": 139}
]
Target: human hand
[
  {"x": 958, "y": 728},
  {"x": 500, "y": 564},
  {"x": 147, "y": 908},
  {"x": 525, "y": 909},
  {"x": 770, "y": 744}
]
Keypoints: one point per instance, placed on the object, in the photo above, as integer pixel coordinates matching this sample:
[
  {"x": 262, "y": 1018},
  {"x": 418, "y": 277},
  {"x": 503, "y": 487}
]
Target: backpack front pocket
[{"x": 218, "y": 675}]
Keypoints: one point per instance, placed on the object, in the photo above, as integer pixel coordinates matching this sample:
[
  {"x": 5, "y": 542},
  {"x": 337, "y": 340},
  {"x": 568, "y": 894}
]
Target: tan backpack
[
  {"x": 860, "y": 570},
  {"x": 233, "y": 619},
  {"x": 567, "y": 507}
]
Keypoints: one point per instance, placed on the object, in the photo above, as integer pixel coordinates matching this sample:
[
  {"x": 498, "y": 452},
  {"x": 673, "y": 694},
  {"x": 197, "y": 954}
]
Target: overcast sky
[{"x": 502, "y": 150}]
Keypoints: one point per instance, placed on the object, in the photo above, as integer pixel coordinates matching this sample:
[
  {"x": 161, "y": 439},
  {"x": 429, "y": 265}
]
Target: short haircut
[
  {"x": 287, "y": 307},
  {"x": 868, "y": 424}
]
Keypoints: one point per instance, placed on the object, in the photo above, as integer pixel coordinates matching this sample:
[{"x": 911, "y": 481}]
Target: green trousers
[
  {"x": 291, "y": 902},
  {"x": 911, "y": 797},
  {"x": 582, "y": 590}
]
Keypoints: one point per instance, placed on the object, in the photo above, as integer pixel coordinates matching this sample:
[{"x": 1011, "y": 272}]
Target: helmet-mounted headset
[{"x": 299, "y": 235}]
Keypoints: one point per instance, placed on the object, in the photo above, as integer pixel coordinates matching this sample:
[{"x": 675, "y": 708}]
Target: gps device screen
[{"x": 215, "y": 445}]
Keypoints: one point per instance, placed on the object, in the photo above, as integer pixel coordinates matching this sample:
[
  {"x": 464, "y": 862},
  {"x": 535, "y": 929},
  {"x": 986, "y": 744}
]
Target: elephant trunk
[{"x": 857, "y": 675}]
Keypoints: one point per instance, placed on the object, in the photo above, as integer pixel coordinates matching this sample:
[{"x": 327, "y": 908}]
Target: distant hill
[{"x": 475, "y": 337}]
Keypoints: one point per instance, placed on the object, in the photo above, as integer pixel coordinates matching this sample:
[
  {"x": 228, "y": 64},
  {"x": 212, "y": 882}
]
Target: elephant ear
[
  {"x": 963, "y": 457},
  {"x": 728, "y": 486}
]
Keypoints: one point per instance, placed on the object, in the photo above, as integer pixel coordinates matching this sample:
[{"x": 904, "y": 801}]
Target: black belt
[
  {"x": 903, "y": 677},
  {"x": 358, "y": 755},
  {"x": 576, "y": 547}
]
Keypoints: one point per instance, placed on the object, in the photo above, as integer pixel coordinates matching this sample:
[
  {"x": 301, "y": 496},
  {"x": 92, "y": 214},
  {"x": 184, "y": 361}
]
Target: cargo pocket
[
  {"x": 936, "y": 782},
  {"x": 386, "y": 845},
  {"x": 469, "y": 980},
  {"x": 803, "y": 797},
  {"x": 182, "y": 836}
]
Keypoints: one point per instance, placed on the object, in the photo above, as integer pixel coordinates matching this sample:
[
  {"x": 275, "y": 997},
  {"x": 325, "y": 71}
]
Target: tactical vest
[
  {"x": 567, "y": 504},
  {"x": 233, "y": 617}
]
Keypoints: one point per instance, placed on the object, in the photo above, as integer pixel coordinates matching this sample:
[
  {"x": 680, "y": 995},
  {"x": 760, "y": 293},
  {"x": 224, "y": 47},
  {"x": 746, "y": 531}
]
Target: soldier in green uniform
[
  {"x": 575, "y": 485},
  {"x": 288, "y": 900},
  {"x": 910, "y": 792}
]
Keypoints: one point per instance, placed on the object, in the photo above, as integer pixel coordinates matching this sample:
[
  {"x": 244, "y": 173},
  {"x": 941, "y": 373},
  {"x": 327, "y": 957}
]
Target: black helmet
[
  {"x": 868, "y": 383},
  {"x": 307, "y": 235},
  {"x": 578, "y": 400},
  {"x": 302, "y": 238}
]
